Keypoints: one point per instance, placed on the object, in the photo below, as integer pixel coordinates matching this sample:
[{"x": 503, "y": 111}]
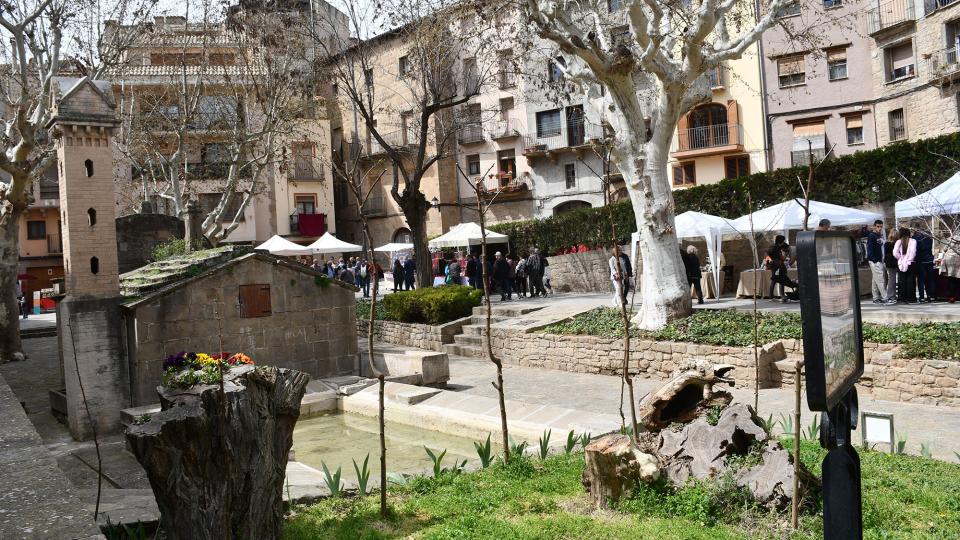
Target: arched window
[
  {"x": 570, "y": 206},
  {"x": 91, "y": 216},
  {"x": 403, "y": 236},
  {"x": 88, "y": 168},
  {"x": 94, "y": 265}
]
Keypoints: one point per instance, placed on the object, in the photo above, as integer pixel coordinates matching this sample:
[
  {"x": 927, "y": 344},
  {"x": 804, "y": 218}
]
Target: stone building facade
[{"x": 278, "y": 313}]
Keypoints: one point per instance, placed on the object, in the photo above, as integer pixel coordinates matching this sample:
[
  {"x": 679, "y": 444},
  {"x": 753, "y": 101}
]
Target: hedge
[
  {"x": 431, "y": 305},
  {"x": 853, "y": 180}
]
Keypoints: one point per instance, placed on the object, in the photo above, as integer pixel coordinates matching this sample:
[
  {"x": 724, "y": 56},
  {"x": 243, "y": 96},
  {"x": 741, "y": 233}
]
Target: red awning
[{"x": 312, "y": 224}]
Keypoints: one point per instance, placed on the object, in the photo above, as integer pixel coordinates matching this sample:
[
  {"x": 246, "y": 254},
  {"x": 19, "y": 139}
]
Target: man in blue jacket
[{"x": 874, "y": 238}]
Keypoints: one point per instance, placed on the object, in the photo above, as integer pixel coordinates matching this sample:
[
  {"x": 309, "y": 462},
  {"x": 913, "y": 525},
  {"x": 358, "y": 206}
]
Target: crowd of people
[
  {"x": 905, "y": 269},
  {"x": 356, "y": 271}
]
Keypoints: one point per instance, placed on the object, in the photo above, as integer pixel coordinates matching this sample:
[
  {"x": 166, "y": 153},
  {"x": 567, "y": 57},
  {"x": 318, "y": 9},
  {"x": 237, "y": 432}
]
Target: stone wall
[
  {"x": 419, "y": 336},
  {"x": 581, "y": 272},
  {"x": 311, "y": 328},
  {"x": 139, "y": 234}
]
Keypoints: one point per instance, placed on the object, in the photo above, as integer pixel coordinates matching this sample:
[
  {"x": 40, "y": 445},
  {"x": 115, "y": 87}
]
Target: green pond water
[{"x": 337, "y": 438}]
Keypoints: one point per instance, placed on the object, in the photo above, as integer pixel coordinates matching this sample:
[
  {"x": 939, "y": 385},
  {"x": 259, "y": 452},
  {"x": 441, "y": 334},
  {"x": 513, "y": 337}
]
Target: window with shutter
[
  {"x": 255, "y": 301},
  {"x": 684, "y": 174},
  {"x": 837, "y": 64},
  {"x": 809, "y": 141},
  {"x": 737, "y": 166},
  {"x": 791, "y": 71},
  {"x": 548, "y": 123},
  {"x": 854, "y": 130},
  {"x": 899, "y": 61}
]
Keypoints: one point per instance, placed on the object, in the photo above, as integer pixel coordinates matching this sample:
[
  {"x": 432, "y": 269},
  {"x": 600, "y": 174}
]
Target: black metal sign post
[{"x": 833, "y": 359}]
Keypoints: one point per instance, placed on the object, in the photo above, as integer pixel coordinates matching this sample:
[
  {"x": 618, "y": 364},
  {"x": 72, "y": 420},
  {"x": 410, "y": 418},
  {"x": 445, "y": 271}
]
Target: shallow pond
[{"x": 337, "y": 438}]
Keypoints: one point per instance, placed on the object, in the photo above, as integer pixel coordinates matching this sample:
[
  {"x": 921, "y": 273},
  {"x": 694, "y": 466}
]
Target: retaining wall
[{"x": 420, "y": 336}]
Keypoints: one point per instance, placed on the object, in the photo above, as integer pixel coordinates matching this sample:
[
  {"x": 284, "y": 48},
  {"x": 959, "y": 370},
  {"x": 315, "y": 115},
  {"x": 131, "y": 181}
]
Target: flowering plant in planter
[{"x": 186, "y": 369}]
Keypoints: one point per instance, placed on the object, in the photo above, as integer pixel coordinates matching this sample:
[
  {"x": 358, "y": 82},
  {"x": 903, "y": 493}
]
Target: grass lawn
[{"x": 905, "y": 497}]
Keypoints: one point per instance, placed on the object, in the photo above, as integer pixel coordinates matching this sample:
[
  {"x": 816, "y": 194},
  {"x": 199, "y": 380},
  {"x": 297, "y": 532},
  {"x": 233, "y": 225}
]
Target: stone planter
[{"x": 217, "y": 461}]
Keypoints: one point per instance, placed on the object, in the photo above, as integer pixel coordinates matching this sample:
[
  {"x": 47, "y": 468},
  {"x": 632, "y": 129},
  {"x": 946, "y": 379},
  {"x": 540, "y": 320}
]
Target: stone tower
[
  {"x": 89, "y": 321},
  {"x": 83, "y": 120}
]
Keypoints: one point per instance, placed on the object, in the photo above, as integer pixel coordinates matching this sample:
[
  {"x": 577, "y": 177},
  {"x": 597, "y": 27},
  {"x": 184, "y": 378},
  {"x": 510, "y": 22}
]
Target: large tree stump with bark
[
  {"x": 688, "y": 393},
  {"x": 614, "y": 467},
  {"x": 217, "y": 461}
]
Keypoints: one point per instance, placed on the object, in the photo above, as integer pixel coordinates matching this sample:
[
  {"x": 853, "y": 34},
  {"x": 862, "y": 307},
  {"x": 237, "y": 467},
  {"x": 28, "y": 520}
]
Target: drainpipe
[{"x": 763, "y": 94}]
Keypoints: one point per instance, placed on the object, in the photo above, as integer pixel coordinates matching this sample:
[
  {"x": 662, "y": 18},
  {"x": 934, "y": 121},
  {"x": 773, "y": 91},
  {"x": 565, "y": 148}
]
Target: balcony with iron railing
[
  {"x": 394, "y": 139},
  {"x": 505, "y": 129},
  {"x": 707, "y": 141},
  {"x": 929, "y": 6},
  {"x": 503, "y": 185},
  {"x": 470, "y": 132},
  {"x": 374, "y": 206},
  {"x": 171, "y": 122},
  {"x": 575, "y": 136},
  {"x": 890, "y": 14},
  {"x": 196, "y": 171},
  {"x": 944, "y": 65},
  {"x": 312, "y": 225},
  {"x": 306, "y": 171}
]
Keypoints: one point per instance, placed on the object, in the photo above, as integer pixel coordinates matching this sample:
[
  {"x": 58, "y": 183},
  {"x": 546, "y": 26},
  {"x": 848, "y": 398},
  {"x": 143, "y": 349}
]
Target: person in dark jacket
[
  {"x": 534, "y": 269},
  {"x": 890, "y": 266},
  {"x": 501, "y": 276},
  {"x": 409, "y": 273},
  {"x": 875, "y": 243},
  {"x": 472, "y": 272},
  {"x": 691, "y": 262},
  {"x": 926, "y": 274},
  {"x": 776, "y": 262},
  {"x": 397, "y": 275}
]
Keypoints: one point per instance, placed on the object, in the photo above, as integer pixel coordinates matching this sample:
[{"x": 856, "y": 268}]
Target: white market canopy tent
[
  {"x": 941, "y": 200},
  {"x": 788, "y": 216},
  {"x": 278, "y": 245},
  {"x": 393, "y": 247},
  {"x": 329, "y": 243},
  {"x": 465, "y": 235}
]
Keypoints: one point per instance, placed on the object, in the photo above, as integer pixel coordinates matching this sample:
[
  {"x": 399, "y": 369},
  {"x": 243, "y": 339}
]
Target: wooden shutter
[
  {"x": 255, "y": 301},
  {"x": 836, "y": 55},
  {"x": 790, "y": 65}
]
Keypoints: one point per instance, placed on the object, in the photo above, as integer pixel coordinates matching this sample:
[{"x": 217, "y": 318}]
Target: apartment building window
[
  {"x": 854, "y": 130},
  {"x": 554, "y": 75},
  {"x": 736, "y": 166},
  {"x": 36, "y": 230},
  {"x": 837, "y": 64},
  {"x": 570, "y": 175},
  {"x": 471, "y": 81},
  {"x": 809, "y": 142},
  {"x": 576, "y": 129},
  {"x": 303, "y": 168},
  {"x": 215, "y": 153},
  {"x": 548, "y": 123},
  {"x": 403, "y": 66},
  {"x": 306, "y": 204},
  {"x": 899, "y": 62},
  {"x": 408, "y": 133},
  {"x": 789, "y": 10},
  {"x": 791, "y": 71},
  {"x": 506, "y": 69},
  {"x": 830, "y": 4},
  {"x": 506, "y": 166},
  {"x": 368, "y": 77},
  {"x": 685, "y": 174},
  {"x": 614, "y": 5},
  {"x": 506, "y": 109},
  {"x": 49, "y": 185},
  {"x": 898, "y": 125},
  {"x": 715, "y": 77},
  {"x": 473, "y": 164}
]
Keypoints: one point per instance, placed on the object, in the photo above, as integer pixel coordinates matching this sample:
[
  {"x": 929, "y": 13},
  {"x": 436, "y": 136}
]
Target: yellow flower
[{"x": 205, "y": 359}]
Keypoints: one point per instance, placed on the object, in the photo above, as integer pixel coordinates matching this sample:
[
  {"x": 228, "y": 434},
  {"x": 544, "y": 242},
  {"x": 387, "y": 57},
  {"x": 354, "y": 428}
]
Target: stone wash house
[{"x": 277, "y": 312}]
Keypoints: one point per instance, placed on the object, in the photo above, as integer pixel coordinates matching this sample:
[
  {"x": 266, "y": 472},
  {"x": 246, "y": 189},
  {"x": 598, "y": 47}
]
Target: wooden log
[{"x": 614, "y": 467}]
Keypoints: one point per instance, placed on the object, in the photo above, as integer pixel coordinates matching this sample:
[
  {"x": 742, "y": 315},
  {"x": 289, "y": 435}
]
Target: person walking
[
  {"x": 534, "y": 270},
  {"x": 905, "y": 251},
  {"x": 472, "y": 272},
  {"x": 363, "y": 274},
  {"x": 397, "y": 275},
  {"x": 546, "y": 279},
  {"x": 950, "y": 268},
  {"x": 501, "y": 275},
  {"x": 774, "y": 261},
  {"x": 890, "y": 267},
  {"x": 409, "y": 273},
  {"x": 926, "y": 274},
  {"x": 874, "y": 236},
  {"x": 520, "y": 283},
  {"x": 692, "y": 265},
  {"x": 453, "y": 272},
  {"x": 620, "y": 274}
]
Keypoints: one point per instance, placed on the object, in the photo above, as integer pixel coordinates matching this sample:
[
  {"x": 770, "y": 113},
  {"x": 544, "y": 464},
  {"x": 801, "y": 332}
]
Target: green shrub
[
  {"x": 171, "y": 248},
  {"x": 433, "y": 305},
  {"x": 939, "y": 341},
  {"x": 363, "y": 310}
]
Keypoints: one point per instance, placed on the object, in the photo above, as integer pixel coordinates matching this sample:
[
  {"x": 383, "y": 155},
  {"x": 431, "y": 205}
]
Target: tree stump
[
  {"x": 217, "y": 461},
  {"x": 614, "y": 467},
  {"x": 685, "y": 396}
]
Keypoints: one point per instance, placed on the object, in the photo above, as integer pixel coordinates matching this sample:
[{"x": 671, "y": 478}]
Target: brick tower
[{"x": 89, "y": 320}]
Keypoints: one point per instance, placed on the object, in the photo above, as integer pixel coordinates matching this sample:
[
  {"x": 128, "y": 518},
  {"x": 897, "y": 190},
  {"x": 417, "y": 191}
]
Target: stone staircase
[{"x": 470, "y": 342}]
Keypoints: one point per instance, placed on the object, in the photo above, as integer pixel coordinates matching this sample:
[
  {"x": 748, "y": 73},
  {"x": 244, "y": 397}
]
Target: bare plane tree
[
  {"x": 35, "y": 41},
  {"x": 652, "y": 72},
  {"x": 404, "y": 89}
]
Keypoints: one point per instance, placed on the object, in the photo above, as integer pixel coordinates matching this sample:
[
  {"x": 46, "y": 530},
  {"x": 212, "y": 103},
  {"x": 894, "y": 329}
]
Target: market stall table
[
  {"x": 745, "y": 288},
  {"x": 708, "y": 286}
]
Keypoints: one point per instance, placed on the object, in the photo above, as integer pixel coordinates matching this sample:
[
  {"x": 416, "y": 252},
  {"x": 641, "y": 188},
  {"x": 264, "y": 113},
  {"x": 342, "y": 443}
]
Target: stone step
[
  {"x": 505, "y": 311},
  {"x": 464, "y": 339},
  {"x": 482, "y": 320},
  {"x": 474, "y": 330},
  {"x": 469, "y": 351}
]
